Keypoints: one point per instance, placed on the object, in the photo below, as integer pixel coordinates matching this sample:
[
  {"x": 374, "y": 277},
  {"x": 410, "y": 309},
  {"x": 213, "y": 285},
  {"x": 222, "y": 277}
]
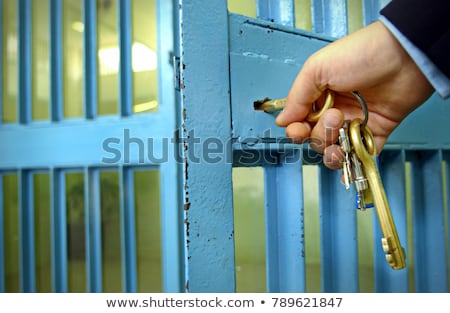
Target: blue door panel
[{"x": 264, "y": 60}]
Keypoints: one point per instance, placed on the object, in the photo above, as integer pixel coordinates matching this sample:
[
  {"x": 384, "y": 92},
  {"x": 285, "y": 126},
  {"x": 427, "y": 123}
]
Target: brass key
[
  {"x": 352, "y": 168},
  {"x": 364, "y": 147}
]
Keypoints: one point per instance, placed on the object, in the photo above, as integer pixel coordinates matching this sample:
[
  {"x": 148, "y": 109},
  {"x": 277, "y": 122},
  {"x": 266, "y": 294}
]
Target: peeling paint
[
  {"x": 255, "y": 55},
  {"x": 186, "y": 165},
  {"x": 289, "y": 61},
  {"x": 186, "y": 223}
]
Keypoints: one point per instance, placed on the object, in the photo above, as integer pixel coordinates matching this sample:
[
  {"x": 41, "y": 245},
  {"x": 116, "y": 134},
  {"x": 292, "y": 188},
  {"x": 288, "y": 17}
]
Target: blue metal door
[
  {"x": 211, "y": 66},
  {"x": 90, "y": 135}
]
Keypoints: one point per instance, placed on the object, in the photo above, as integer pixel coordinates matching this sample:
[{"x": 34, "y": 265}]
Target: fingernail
[
  {"x": 280, "y": 118},
  {"x": 332, "y": 121}
]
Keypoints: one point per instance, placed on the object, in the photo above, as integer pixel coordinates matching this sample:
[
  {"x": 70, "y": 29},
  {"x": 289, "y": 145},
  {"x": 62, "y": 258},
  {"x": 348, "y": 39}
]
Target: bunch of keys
[{"x": 360, "y": 168}]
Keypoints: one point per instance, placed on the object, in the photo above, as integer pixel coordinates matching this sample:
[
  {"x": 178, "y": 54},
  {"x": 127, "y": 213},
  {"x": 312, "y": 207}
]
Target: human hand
[{"x": 370, "y": 61}]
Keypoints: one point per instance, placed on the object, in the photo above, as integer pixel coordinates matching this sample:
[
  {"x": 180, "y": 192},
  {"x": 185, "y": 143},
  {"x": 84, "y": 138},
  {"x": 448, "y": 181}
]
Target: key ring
[
  {"x": 362, "y": 140},
  {"x": 364, "y": 108},
  {"x": 315, "y": 115},
  {"x": 329, "y": 101}
]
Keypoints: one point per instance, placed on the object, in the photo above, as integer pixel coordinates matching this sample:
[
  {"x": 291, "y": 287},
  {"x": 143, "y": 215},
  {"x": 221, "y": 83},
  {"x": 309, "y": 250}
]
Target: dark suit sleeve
[{"x": 426, "y": 23}]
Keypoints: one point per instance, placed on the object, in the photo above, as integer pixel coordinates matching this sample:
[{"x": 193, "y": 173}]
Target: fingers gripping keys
[
  {"x": 351, "y": 167},
  {"x": 363, "y": 145},
  {"x": 359, "y": 168}
]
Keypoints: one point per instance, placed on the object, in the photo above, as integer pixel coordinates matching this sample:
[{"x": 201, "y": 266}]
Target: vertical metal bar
[
  {"x": 208, "y": 203},
  {"x": 128, "y": 228},
  {"x": 371, "y": 10},
  {"x": 285, "y": 253},
  {"x": 125, "y": 70},
  {"x": 93, "y": 229},
  {"x": 26, "y": 232},
  {"x": 392, "y": 170},
  {"x": 339, "y": 248},
  {"x": 25, "y": 70},
  {"x": 447, "y": 191},
  {"x": 428, "y": 220},
  {"x": 170, "y": 181},
  {"x": 1, "y": 62},
  {"x": 59, "y": 231},
  {"x": 271, "y": 205},
  {"x": 90, "y": 58},
  {"x": 329, "y": 17},
  {"x": 56, "y": 61},
  {"x": 278, "y": 11},
  {"x": 2, "y": 225}
]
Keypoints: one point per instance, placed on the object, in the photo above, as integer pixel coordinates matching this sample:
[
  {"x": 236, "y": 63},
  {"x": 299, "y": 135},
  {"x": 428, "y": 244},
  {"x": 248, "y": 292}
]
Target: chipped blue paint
[{"x": 207, "y": 187}]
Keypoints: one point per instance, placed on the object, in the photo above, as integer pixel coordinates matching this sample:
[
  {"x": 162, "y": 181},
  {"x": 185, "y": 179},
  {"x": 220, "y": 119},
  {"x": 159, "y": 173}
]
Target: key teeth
[
  {"x": 395, "y": 258},
  {"x": 385, "y": 245}
]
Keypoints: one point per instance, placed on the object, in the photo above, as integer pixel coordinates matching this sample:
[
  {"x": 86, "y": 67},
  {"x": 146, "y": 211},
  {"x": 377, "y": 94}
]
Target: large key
[{"x": 364, "y": 147}]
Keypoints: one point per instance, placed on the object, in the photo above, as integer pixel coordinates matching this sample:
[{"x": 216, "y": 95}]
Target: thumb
[{"x": 304, "y": 91}]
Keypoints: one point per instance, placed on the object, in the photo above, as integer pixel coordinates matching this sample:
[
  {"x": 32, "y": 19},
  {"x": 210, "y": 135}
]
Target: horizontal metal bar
[{"x": 105, "y": 142}]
